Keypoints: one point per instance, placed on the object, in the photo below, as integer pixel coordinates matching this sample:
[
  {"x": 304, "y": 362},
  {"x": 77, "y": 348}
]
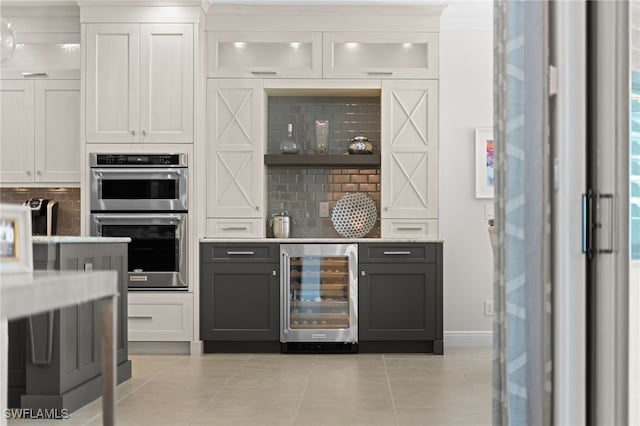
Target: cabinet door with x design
[
  {"x": 235, "y": 169},
  {"x": 409, "y": 149}
]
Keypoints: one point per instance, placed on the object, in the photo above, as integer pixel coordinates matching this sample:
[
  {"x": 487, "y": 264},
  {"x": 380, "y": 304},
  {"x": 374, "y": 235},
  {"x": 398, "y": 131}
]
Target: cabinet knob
[
  {"x": 144, "y": 133},
  {"x": 274, "y": 273},
  {"x": 38, "y": 172},
  {"x": 363, "y": 273},
  {"x": 258, "y": 208},
  {"x": 133, "y": 132},
  {"x": 28, "y": 172},
  {"x": 386, "y": 209}
]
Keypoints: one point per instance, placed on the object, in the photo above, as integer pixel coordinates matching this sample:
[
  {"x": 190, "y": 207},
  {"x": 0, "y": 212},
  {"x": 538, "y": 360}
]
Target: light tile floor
[{"x": 310, "y": 390}]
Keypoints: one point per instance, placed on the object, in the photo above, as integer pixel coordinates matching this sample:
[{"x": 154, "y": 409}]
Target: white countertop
[
  {"x": 31, "y": 293},
  {"x": 318, "y": 240},
  {"x": 37, "y": 239}
]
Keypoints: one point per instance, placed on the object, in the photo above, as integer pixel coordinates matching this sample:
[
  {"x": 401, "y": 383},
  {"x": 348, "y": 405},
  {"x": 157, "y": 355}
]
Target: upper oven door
[{"x": 139, "y": 189}]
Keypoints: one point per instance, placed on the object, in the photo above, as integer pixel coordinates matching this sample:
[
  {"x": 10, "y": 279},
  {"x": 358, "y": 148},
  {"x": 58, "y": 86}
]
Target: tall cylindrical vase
[{"x": 322, "y": 136}]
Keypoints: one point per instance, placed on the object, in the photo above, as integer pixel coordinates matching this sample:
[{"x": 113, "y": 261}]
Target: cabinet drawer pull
[
  {"x": 35, "y": 74},
  {"x": 380, "y": 72},
  {"x": 409, "y": 228},
  {"x": 264, "y": 72},
  {"x": 234, "y": 228},
  {"x": 140, "y": 316},
  {"x": 387, "y": 253},
  {"x": 241, "y": 253}
]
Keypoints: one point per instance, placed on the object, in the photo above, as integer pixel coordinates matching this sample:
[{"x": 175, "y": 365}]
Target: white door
[
  {"x": 235, "y": 148},
  {"x": 409, "y": 149},
  {"x": 112, "y": 55},
  {"x": 166, "y": 83},
  {"x": 16, "y": 131},
  {"x": 57, "y": 130}
]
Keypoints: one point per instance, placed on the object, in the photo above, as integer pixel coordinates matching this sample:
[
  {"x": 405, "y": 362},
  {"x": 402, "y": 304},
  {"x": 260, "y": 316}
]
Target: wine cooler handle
[{"x": 286, "y": 293}]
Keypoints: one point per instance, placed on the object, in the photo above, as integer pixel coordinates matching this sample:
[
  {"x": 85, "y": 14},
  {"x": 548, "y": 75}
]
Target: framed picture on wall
[
  {"x": 484, "y": 163},
  {"x": 16, "y": 252}
]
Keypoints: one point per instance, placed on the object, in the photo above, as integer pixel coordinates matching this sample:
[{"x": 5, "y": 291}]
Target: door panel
[
  {"x": 16, "y": 131},
  {"x": 57, "y": 131},
  {"x": 166, "y": 83},
  {"x": 112, "y": 83},
  {"x": 235, "y": 174}
]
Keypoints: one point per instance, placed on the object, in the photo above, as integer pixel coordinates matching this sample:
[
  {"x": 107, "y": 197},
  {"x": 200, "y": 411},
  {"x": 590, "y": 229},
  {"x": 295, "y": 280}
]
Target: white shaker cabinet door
[
  {"x": 16, "y": 131},
  {"x": 112, "y": 67},
  {"x": 409, "y": 149},
  {"x": 235, "y": 165},
  {"x": 166, "y": 83},
  {"x": 57, "y": 130}
]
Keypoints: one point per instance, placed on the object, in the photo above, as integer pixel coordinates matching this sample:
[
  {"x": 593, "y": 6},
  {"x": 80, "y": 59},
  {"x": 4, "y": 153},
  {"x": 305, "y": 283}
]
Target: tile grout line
[
  {"x": 202, "y": 410},
  {"x": 306, "y": 386},
  {"x": 393, "y": 401}
]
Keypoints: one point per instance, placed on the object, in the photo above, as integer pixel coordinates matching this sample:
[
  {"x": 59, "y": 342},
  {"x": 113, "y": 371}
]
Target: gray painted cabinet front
[
  {"x": 61, "y": 347},
  {"x": 239, "y": 293},
  {"x": 400, "y": 293}
]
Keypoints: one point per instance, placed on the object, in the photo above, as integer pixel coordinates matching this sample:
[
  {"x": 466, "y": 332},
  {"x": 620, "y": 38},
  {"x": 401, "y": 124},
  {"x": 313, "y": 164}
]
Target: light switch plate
[
  {"x": 323, "y": 209},
  {"x": 489, "y": 213}
]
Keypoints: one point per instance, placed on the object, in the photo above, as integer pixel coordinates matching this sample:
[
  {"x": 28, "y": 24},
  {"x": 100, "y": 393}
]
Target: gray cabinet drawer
[
  {"x": 398, "y": 253},
  {"x": 239, "y": 252}
]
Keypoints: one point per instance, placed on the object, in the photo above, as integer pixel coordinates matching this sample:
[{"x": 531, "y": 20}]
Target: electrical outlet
[
  {"x": 324, "y": 209},
  {"x": 488, "y": 308}
]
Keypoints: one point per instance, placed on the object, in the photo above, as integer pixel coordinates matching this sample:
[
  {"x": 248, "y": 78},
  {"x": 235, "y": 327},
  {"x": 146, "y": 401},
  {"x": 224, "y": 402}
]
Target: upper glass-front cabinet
[
  {"x": 264, "y": 54},
  {"x": 380, "y": 55}
]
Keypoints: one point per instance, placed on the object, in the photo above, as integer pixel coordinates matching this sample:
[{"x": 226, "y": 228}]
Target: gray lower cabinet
[
  {"x": 239, "y": 297},
  {"x": 55, "y": 356},
  {"x": 400, "y": 297}
]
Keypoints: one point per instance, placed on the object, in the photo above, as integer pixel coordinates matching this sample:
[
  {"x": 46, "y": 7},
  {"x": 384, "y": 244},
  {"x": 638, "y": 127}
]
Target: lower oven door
[{"x": 158, "y": 248}]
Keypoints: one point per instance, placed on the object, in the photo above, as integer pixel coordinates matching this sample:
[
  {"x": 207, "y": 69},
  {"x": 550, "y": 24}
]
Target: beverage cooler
[{"x": 319, "y": 288}]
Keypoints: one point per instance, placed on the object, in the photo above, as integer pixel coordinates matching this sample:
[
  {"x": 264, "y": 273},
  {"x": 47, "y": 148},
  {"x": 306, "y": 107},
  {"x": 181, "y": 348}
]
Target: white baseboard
[
  {"x": 478, "y": 339},
  {"x": 197, "y": 348}
]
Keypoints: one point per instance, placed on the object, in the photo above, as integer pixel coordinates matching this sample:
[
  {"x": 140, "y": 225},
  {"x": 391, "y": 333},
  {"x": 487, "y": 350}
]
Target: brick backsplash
[
  {"x": 299, "y": 190},
  {"x": 347, "y": 116},
  {"x": 68, "y": 204}
]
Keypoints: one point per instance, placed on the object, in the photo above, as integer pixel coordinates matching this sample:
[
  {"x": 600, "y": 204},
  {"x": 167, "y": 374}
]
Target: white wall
[{"x": 466, "y": 102}]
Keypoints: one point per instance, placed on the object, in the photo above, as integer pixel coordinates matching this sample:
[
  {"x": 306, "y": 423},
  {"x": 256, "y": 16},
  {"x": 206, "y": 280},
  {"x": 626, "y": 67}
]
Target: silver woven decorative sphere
[{"x": 354, "y": 215}]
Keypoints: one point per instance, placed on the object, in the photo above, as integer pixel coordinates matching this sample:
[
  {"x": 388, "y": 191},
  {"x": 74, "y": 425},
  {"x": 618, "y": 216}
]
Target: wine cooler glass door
[{"x": 319, "y": 284}]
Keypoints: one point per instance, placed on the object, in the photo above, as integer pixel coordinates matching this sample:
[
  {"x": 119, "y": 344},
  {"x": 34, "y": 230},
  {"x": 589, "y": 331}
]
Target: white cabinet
[
  {"x": 40, "y": 132},
  {"x": 140, "y": 83},
  {"x": 380, "y": 55},
  {"x": 157, "y": 316},
  {"x": 409, "y": 150},
  {"x": 266, "y": 54},
  {"x": 235, "y": 168}
]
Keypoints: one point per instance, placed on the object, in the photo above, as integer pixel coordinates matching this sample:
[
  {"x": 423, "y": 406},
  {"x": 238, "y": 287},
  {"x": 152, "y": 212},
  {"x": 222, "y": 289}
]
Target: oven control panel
[{"x": 138, "y": 160}]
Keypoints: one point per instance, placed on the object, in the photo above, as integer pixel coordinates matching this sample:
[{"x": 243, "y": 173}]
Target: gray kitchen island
[{"x": 54, "y": 359}]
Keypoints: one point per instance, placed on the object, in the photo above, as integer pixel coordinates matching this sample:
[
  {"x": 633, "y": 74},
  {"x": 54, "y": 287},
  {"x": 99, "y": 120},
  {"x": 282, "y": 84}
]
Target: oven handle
[
  {"x": 170, "y": 219},
  {"x": 100, "y": 172}
]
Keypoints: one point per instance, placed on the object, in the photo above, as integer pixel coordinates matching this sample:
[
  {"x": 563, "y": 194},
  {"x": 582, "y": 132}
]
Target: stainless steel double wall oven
[{"x": 144, "y": 197}]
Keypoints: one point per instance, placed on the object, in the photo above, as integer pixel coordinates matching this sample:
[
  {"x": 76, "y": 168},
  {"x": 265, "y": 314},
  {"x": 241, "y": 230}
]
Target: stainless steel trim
[
  {"x": 286, "y": 280},
  {"x": 264, "y": 72},
  {"x": 346, "y": 335},
  {"x": 391, "y": 253},
  {"x": 138, "y": 278},
  {"x": 93, "y": 160},
  {"x": 99, "y": 174},
  {"x": 318, "y": 336},
  {"x": 241, "y": 253},
  {"x": 164, "y": 280}
]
